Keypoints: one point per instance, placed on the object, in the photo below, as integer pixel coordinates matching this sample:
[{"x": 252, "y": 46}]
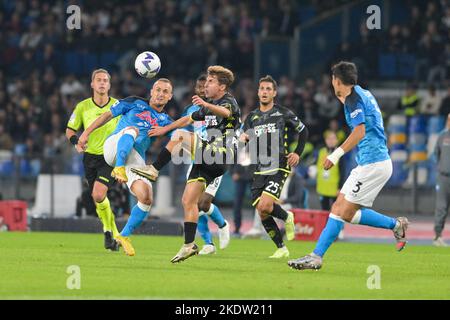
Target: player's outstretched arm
[
  {"x": 100, "y": 121},
  {"x": 217, "y": 110},
  {"x": 353, "y": 139},
  {"x": 162, "y": 130}
]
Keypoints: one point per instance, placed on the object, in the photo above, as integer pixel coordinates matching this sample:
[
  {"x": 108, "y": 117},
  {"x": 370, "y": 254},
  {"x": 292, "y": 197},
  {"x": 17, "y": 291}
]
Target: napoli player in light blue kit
[
  {"x": 206, "y": 207},
  {"x": 127, "y": 146},
  {"x": 374, "y": 169}
]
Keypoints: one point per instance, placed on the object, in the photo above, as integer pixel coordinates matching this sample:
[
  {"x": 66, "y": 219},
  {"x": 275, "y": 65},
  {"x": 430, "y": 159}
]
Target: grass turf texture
[{"x": 34, "y": 266}]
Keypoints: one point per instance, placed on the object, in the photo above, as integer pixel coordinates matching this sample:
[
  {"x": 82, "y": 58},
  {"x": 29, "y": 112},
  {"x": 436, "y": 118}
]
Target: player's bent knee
[
  {"x": 265, "y": 207},
  {"x": 98, "y": 196},
  {"x": 204, "y": 205},
  {"x": 132, "y": 131},
  {"x": 144, "y": 206}
]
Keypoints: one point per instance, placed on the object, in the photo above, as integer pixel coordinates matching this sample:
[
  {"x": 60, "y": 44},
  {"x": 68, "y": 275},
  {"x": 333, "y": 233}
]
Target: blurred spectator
[
  {"x": 6, "y": 142},
  {"x": 336, "y": 128},
  {"x": 329, "y": 182},
  {"x": 409, "y": 102},
  {"x": 431, "y": 102},
  {"x": 294, "y": 192},
  {"x": 444, "y": 109}
]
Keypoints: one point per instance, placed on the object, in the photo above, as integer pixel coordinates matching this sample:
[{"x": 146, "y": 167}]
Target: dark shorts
[
  {"x": 205, "y": 169},
  {"x": 268, "y": 184},
  {"x": 96, "y": 169}
]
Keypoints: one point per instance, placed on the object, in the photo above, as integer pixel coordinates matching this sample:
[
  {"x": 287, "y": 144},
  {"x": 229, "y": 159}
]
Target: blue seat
[
  {"x": 417, "y": 124},
  {"x": 399, "y": 174},
  {"x": 435, "y": 124}
]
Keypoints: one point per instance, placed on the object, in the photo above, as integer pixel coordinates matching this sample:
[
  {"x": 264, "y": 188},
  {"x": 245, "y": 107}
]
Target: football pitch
[{"x": 42, "y": 266}]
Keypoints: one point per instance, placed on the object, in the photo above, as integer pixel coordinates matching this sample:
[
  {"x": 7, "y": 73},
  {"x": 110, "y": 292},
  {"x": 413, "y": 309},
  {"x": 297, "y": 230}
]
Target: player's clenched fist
[{"x": 198, "y": 101}]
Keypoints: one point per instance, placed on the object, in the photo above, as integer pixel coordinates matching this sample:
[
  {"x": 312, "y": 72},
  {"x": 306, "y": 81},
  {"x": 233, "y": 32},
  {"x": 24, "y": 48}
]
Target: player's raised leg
[
  {"x": 180, "y": 139},
  {"x": 124, "y": 147},
  {"x": 190, "y": 199}
]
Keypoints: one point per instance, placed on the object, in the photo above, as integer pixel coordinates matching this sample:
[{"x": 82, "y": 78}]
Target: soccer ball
[{"x": 147, "y": 64}]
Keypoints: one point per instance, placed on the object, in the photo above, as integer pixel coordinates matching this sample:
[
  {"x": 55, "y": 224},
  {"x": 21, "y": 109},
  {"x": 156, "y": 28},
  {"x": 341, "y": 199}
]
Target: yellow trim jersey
[{"x": 84, "y": 114}]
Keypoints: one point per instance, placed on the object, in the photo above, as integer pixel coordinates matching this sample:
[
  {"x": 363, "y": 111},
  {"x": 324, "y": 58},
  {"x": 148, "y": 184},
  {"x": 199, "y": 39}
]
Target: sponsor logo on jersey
[
  {"x": 210, "y": 121},
  {"x": 147, "y": 117},
  {"x": 276, "y": 114},
  {"x": 355, "y": 113},
  {"x": 265, "y": 128}
]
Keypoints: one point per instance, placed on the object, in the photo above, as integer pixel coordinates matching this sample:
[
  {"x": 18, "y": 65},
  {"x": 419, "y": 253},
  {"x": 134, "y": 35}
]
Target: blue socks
[
  {"x": 216, "y": 216},
  {"x": 329, "y": 234},
  {"x": 124, "y": 146},
  {"x": 364, "y": 216},
  {"x": 202, "y": 226},
  {"x": 369, "y": 217},
  {"x": 203, "y": 229},
  {"x": 135, "y": 220}
]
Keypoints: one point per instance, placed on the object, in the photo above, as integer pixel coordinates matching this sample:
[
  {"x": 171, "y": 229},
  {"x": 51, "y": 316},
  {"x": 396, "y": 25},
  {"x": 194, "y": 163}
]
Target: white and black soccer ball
[{"x": 147, "y": 64}]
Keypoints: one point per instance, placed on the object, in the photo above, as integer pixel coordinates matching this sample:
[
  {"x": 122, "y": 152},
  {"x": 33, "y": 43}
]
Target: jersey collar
[{"x": 109, "y": 100}]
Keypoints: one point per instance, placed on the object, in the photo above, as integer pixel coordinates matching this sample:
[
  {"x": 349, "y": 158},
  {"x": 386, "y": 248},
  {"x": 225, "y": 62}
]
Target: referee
[
  {"x": 97, "y": 171},
  {"x": 442, "y": 152}
]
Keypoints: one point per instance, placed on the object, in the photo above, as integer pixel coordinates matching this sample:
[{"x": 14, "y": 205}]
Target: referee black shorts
[{"x": 96, "y": 169}]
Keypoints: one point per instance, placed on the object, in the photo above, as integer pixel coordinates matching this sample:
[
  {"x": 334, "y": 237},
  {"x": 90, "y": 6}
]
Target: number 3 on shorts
[{"x": 272, "y": 187}]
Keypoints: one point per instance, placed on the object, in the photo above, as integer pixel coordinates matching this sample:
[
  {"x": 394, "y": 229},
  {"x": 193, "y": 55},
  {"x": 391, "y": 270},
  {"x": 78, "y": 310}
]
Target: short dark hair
[
  {"x": 268, "y": 78},
  {"x": 346, "y": 72},
  {"x": 201, "y": 77}
]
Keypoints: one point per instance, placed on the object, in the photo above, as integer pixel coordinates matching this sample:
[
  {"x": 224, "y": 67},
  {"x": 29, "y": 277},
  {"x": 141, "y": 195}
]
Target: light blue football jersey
[
  {"x": 361, "y": 107},
  {"x": 137, "y": 113}
]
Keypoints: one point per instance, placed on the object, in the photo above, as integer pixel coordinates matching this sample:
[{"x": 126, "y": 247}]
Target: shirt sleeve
[
  {"x": 75, "y": 122},
  {"x": 199, "y": 115},
  {"x": 356, "y": 110},
  {"x": 120, "y": 107},
  {"x": 247, "y": 123},
  {"x": 292, "y": 121}
]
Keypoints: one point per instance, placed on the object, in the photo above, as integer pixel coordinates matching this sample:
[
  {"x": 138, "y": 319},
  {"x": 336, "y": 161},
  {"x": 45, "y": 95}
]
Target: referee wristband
[
  {"x": 336, "y": 155},
  {"x": 74, "y": 139}
]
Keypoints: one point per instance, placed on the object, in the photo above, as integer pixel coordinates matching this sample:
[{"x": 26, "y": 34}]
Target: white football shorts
[{"x": 365, "y": 182}]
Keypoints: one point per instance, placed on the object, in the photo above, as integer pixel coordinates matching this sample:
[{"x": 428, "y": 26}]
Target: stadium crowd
[{"x": 41, "y": 82}]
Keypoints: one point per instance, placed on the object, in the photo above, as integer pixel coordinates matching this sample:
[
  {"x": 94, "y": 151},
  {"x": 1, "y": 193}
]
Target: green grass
[{"x": 34, "y": 266}]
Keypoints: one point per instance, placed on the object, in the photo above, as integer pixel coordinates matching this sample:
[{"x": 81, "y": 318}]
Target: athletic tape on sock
[
  {"x": 131, "y": 132},
  {"x": 356, "y": 218},
  {"x": 211, "y": 209},
  {"x": 144, "y": 207},
  {"x": 335, "y": 217}
]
